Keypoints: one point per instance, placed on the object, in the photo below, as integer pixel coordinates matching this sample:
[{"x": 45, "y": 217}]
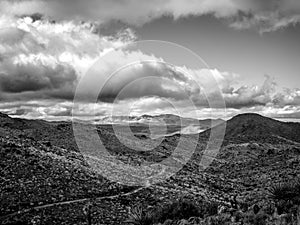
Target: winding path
[{"x": 69, "y": 202}]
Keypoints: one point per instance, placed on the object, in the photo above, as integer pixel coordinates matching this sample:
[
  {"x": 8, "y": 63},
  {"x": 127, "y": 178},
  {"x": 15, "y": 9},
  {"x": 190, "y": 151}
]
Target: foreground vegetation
[{"x": 282, "y": 208}]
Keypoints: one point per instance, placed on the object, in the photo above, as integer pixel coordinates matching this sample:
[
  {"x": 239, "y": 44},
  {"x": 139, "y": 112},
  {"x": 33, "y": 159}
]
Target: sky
[{"x": 249, "y": 52}]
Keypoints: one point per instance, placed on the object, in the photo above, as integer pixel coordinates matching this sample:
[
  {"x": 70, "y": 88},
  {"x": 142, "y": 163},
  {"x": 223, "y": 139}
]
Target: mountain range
[{"x": 168, "y": 119}]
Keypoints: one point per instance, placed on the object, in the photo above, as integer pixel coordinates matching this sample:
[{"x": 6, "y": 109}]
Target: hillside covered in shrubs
[{"x": 44, "y": 179}]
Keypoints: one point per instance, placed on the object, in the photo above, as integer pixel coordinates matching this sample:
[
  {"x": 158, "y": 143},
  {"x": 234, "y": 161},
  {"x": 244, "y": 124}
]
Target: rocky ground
[{"x": 44, "y": 179}]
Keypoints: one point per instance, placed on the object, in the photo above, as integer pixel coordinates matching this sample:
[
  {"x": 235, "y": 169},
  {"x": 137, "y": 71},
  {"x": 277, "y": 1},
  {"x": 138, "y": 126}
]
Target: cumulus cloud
[
  {"x": 132, "y": 12},
  {"x": 247, "y": 96},
  {"x": 262, "y": 99},
  {"x": 40, "y": 59},
  {"x": 267, "y": 15},
  {"x": 148, "y": 86},
  {"x": 287, "y": 97},
  {"x": 265, "y": 21}
]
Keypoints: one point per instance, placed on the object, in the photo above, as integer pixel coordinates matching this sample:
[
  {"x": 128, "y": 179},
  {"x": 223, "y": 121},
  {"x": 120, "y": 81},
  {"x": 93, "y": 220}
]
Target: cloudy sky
[{"x": 250, "y": 48}]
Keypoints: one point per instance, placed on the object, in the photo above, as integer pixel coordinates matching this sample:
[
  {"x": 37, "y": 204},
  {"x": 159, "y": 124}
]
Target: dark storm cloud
[
  {"x": 143, "y": 80},
  {"x": 37, "y": 80}
]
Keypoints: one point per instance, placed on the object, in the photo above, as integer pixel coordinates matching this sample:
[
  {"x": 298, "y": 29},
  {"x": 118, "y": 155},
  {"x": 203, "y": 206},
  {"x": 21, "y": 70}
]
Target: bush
[
  {"x": 209, "y": 208},
  {"x": 285, "y": 196},
  {"x": 181, "y": 209},
  {"x": 139, "y": 216},
  {"x": 285, "y": 191},
  {"x": 256, "y": 219}
]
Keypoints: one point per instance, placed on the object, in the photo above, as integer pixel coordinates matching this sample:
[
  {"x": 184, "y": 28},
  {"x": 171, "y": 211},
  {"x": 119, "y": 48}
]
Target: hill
[{"x": 255, "y": 127}]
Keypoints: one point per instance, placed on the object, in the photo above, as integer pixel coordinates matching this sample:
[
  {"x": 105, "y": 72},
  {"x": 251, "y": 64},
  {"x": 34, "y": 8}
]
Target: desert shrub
[
  {"x": 139, "y": 216},
  {"x": 285, "y": 195},
  {"x": 256, "y": 209},
  {"x": 256, "y": 219},
  {"x": 209, "y": 208},
  {"x": 285, "y": 191},
  {"x": 223, "y": 219},
  {"x": 297, "y": 191},
  {"x": 269, "y": 208},
  {"x": 181, "y": 209},
  {"x": 284, "y": 206}
]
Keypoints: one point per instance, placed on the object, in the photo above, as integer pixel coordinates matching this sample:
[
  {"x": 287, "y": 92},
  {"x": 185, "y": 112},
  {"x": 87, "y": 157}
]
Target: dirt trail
[{"x": 70, "y": 202}]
